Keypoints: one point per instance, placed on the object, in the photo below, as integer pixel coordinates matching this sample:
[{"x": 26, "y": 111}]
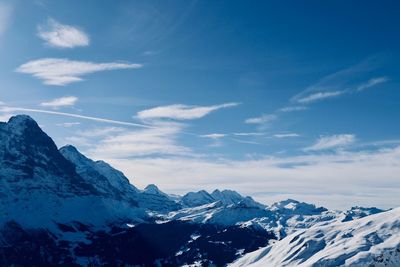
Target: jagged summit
[
  {"x": 291, "y": 206},
  {"x": 199, "y": 198},
  {"x": 360, "y": 212},
  {"x": 29, "y": 153},
  {"x": 69, "y": 148},
  {"x": 153, "y": 189},
  {"x": 227, "y": 196},
  {"x": 19, "y": 123},
  {"x": 21, "y": 119}
]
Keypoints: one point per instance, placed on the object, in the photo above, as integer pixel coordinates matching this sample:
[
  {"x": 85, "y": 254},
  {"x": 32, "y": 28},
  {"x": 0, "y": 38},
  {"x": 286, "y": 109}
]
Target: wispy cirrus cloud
[
  {"x": 216, "y": 139},
  {"x": 249, "y": 134},
  {"x": 286, "y": 135},
  {"x": 213, "y": 135},
  {"x": 292, "y": 108},
  {"x": 319, "y": 96},
  {"x": 372, "y": 82},
  {"x": 66, "y": 101},
  {"x": 181, "y": 112},
  {"x": 345, "y": 81},
  {"x": 57, "y": 71},
  {"x": 332, "y": 142},
  {"x": 59, "y": 35},
  {"x": 6, "y": 11},
  {"x": 262, "y": 119}
]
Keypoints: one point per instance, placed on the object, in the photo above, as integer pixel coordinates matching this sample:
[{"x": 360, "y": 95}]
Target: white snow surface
[{"x": 370, "y": 241}]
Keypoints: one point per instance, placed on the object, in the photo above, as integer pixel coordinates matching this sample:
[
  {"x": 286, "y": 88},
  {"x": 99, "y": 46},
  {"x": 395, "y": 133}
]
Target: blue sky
[{"x": 274, "y": 99}]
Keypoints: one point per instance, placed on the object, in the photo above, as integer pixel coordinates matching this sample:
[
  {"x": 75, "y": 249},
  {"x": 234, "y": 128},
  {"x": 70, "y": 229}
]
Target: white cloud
[
  {"x": 319, "y": 96},
  {"x": 58, "y": 35},
  {"x": 345, "y": 81},
  {"x": 249, "y": 134},
  {"x": 286, "y": 135},
  {"x": 5, "y": 17},
  {"x": 181, "y": 112},
  {"x": 161, "y": 140},
  {"x": 261, "y": 120},
  {"x": 333, "y": 141},
  {"x": 245, "y": 141},
  {"x": 213, "y": 135},
  {"x": 292, "y": 108},
  {"x": 333, "y": 180},
  {"x": 372, "y": 82},
  {"x": 216, "y": 138},
  {"x": 66, "y": 101},
  {"x": 56, "y": 71}
]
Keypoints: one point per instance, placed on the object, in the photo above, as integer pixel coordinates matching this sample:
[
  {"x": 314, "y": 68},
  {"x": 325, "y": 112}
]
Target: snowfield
[{"x": 370, "y": 241}]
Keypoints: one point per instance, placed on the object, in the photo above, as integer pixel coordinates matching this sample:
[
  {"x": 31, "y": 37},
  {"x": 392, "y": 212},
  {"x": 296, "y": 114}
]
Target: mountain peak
[
  {"x": 199, "y": 198},
  {"x": 153, "y": 189},
  {"x": 17, "y": 124},
  {"x": 22, "y": 118},
  {"x": 72, "y": 154},
  {"x": 70, "y": 148},
  {"x": 227, "y": 196},
  {"x": 291, "y": 206}
]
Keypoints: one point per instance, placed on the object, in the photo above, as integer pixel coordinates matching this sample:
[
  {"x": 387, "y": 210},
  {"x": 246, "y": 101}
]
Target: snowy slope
[
  {"x": 224, "y": 207},
  {"x": 220, "y": 213},
  {"x": 39, "y": 187},
  {"x": 282, "y": 218},
  {"x": 113, "y": 183},
  {"x": 370, "y": 241},
  {"x": 102, "y": 176}
]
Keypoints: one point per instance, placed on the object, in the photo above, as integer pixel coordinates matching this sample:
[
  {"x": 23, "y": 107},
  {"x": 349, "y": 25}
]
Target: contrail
[{"x": 13, "y": 109}]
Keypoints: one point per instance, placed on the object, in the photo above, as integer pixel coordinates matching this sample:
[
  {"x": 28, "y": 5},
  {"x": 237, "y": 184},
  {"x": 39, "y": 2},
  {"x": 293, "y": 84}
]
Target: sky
[{"x": 273, "y": 99}]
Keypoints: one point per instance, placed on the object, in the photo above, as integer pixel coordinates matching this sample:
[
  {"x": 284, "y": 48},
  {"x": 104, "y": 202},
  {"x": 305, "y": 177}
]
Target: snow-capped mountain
[
  {"x": 222, "y": 214},
  {"x": 102, "y": 176},
  {"x": 194, "y": 199},
  {"x": 281, "y": 218},
  {"x": 370, "y": 241},
  {"x": 202, "y": 197},
  {"x": 359, "y": 212},
  {"x": 39, "y": 186},
  {"x": 58, "y": 207},
  {"x": 113, "y": 183}
]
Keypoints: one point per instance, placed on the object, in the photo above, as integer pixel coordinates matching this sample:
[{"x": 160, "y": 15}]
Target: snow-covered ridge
[
  {"x": 226, "y": 197},
  {"x": 370, "y": 241},
  {"x": 42, "y": 186}
]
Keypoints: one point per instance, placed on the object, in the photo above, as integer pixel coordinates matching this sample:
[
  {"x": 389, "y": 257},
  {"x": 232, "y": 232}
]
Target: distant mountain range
[{"x": 60, "y": 208}]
